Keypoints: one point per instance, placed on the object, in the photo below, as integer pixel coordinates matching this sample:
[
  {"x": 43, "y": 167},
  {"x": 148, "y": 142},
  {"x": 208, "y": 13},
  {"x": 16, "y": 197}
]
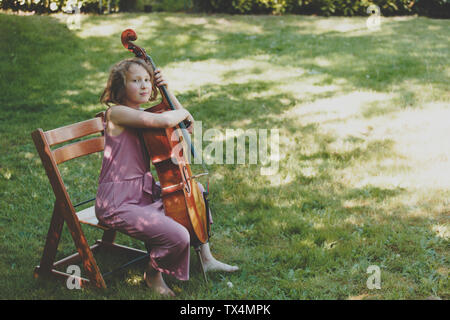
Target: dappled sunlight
[
  {"x": 186, "y": 21},
  {"x": 279, "y": 179},
  {"x": 322, "y": 62},
  {"x": 134, "y": 280},
  {"x": 319, "y": 226},
  {"x": 279, "y": 224},
  {"x": 309, "y": 171},
  {"x": 425, "y": 203},
  {"x": 354, "y": 203},
  {"x": 222, "y": 25},
  {"x": 346, "y": 27},
  {"x": 91, "y": 108},
  {"x": 64, "y": 101},
  {"x": 308, "y": 243},
  {"x": 195, "y": 74},
  {"x": 421, "y": 139},
  {"x": 105, "y": 28},
  {"x": 92, "y": 28},
  {"x": 354, "y": 26},
  {"x": 72, "y": 92},
  {"x": 306, "y": 88},
  {"x": 417, "y": 135},
  {"x": 87, "y": 65},
  {"x": 341, "y": 107},
  {"x": 442, "y": 231},
  {"x": 318, "y": 25},
  {"x": 213, "y": 71},
  {"x": 290, "y": 81},
  {"x": 341, "y": 24},
  {"x": 239, "y": 124}
]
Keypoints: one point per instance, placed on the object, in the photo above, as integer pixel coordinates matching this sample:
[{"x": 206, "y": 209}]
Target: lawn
[{"x": 364, "y": 146}]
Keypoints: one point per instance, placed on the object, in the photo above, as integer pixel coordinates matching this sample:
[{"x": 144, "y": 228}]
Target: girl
[{"x": 128, "y": 199}]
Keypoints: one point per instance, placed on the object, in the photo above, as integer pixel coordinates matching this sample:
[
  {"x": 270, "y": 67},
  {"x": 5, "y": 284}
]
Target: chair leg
[
  {"x": 87, "y": 257},
  {"x": 197, "y": 250},
  {"x": 52, "y": 241},
  {"x": 51, "y": 246},
  {"x": 109, "y": 236}
]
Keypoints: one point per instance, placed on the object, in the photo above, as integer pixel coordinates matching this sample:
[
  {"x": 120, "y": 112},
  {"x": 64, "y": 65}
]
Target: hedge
[{"x": 432, "y": 8}]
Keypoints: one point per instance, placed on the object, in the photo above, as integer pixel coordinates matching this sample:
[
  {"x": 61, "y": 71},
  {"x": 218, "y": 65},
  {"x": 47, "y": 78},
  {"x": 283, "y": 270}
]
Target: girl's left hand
[
  {"x": 159, "y": 79},
  {"x": 190, "y": 129}
]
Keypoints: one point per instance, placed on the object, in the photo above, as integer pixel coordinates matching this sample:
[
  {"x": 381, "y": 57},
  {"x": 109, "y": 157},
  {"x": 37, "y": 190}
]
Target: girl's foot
[
  {"x": 211, "y": 264},
  {"x": 154, "y": 280},
  {"x": 214, "y": 265}
]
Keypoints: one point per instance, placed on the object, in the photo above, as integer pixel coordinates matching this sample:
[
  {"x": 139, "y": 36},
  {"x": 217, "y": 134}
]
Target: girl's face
[{"x": 138, "y": 86}]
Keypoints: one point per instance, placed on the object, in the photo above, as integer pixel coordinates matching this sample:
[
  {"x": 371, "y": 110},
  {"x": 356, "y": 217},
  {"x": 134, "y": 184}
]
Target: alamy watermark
[
  {"x": 374, "y": 280},
  {"x": 373, "y": 22},
  {"x": 263, "y": 147},
  {"x": 74, "y": 280}
]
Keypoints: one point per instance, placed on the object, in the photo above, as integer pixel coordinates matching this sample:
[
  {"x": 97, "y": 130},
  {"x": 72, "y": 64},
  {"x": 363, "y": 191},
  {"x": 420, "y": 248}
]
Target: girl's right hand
[{"x": 189, "y": 118}]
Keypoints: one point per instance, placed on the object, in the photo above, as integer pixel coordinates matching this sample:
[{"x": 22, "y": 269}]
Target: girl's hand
[
  {"x": 160, "y": 81},
  {"x": 190, "y": 129}
]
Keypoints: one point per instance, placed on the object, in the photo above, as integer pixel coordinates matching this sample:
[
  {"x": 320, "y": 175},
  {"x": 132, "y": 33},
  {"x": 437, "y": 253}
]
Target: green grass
[{"x": 363, "y": 173}]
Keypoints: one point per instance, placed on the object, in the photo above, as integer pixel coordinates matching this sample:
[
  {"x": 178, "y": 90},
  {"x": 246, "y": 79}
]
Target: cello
[{"x": 182, "y": 198}]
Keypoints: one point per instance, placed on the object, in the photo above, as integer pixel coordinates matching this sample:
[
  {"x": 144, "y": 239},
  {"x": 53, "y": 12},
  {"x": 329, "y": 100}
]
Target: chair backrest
[
  {"x": 75, "y": 131},
  {"x": 51, "y": 158}
]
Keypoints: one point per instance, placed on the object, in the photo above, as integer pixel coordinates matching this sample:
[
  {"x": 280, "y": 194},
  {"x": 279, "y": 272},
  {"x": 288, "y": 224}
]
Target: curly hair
[{"x": 114, "y": 92}]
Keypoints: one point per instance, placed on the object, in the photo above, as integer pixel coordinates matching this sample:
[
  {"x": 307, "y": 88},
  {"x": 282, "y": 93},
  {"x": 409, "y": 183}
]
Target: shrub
[
  {"x": 171, "y": 5},
  {"x": 433, "y": 8}
]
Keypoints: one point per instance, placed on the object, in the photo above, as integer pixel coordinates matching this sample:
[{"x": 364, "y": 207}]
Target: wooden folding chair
[{"x": 64, "y": 210}]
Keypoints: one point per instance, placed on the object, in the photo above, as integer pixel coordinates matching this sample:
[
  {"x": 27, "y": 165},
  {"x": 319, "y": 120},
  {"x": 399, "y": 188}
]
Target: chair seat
[{"x": 87, "y": 216}]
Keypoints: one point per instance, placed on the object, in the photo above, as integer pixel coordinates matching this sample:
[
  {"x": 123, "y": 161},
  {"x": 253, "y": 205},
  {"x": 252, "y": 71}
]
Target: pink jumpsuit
[{"x": 128, "y": 200}]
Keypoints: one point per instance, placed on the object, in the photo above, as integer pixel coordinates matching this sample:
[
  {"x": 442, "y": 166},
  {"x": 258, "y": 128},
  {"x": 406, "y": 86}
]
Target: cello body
[{"x": 182, "y": 198}]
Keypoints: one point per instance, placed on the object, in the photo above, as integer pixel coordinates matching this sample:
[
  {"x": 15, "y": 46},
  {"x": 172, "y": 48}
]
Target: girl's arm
[{"x": 129, "y": 117}]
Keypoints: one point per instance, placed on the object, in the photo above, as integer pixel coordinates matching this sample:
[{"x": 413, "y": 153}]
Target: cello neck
[{"x": 166, "y": 97}]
